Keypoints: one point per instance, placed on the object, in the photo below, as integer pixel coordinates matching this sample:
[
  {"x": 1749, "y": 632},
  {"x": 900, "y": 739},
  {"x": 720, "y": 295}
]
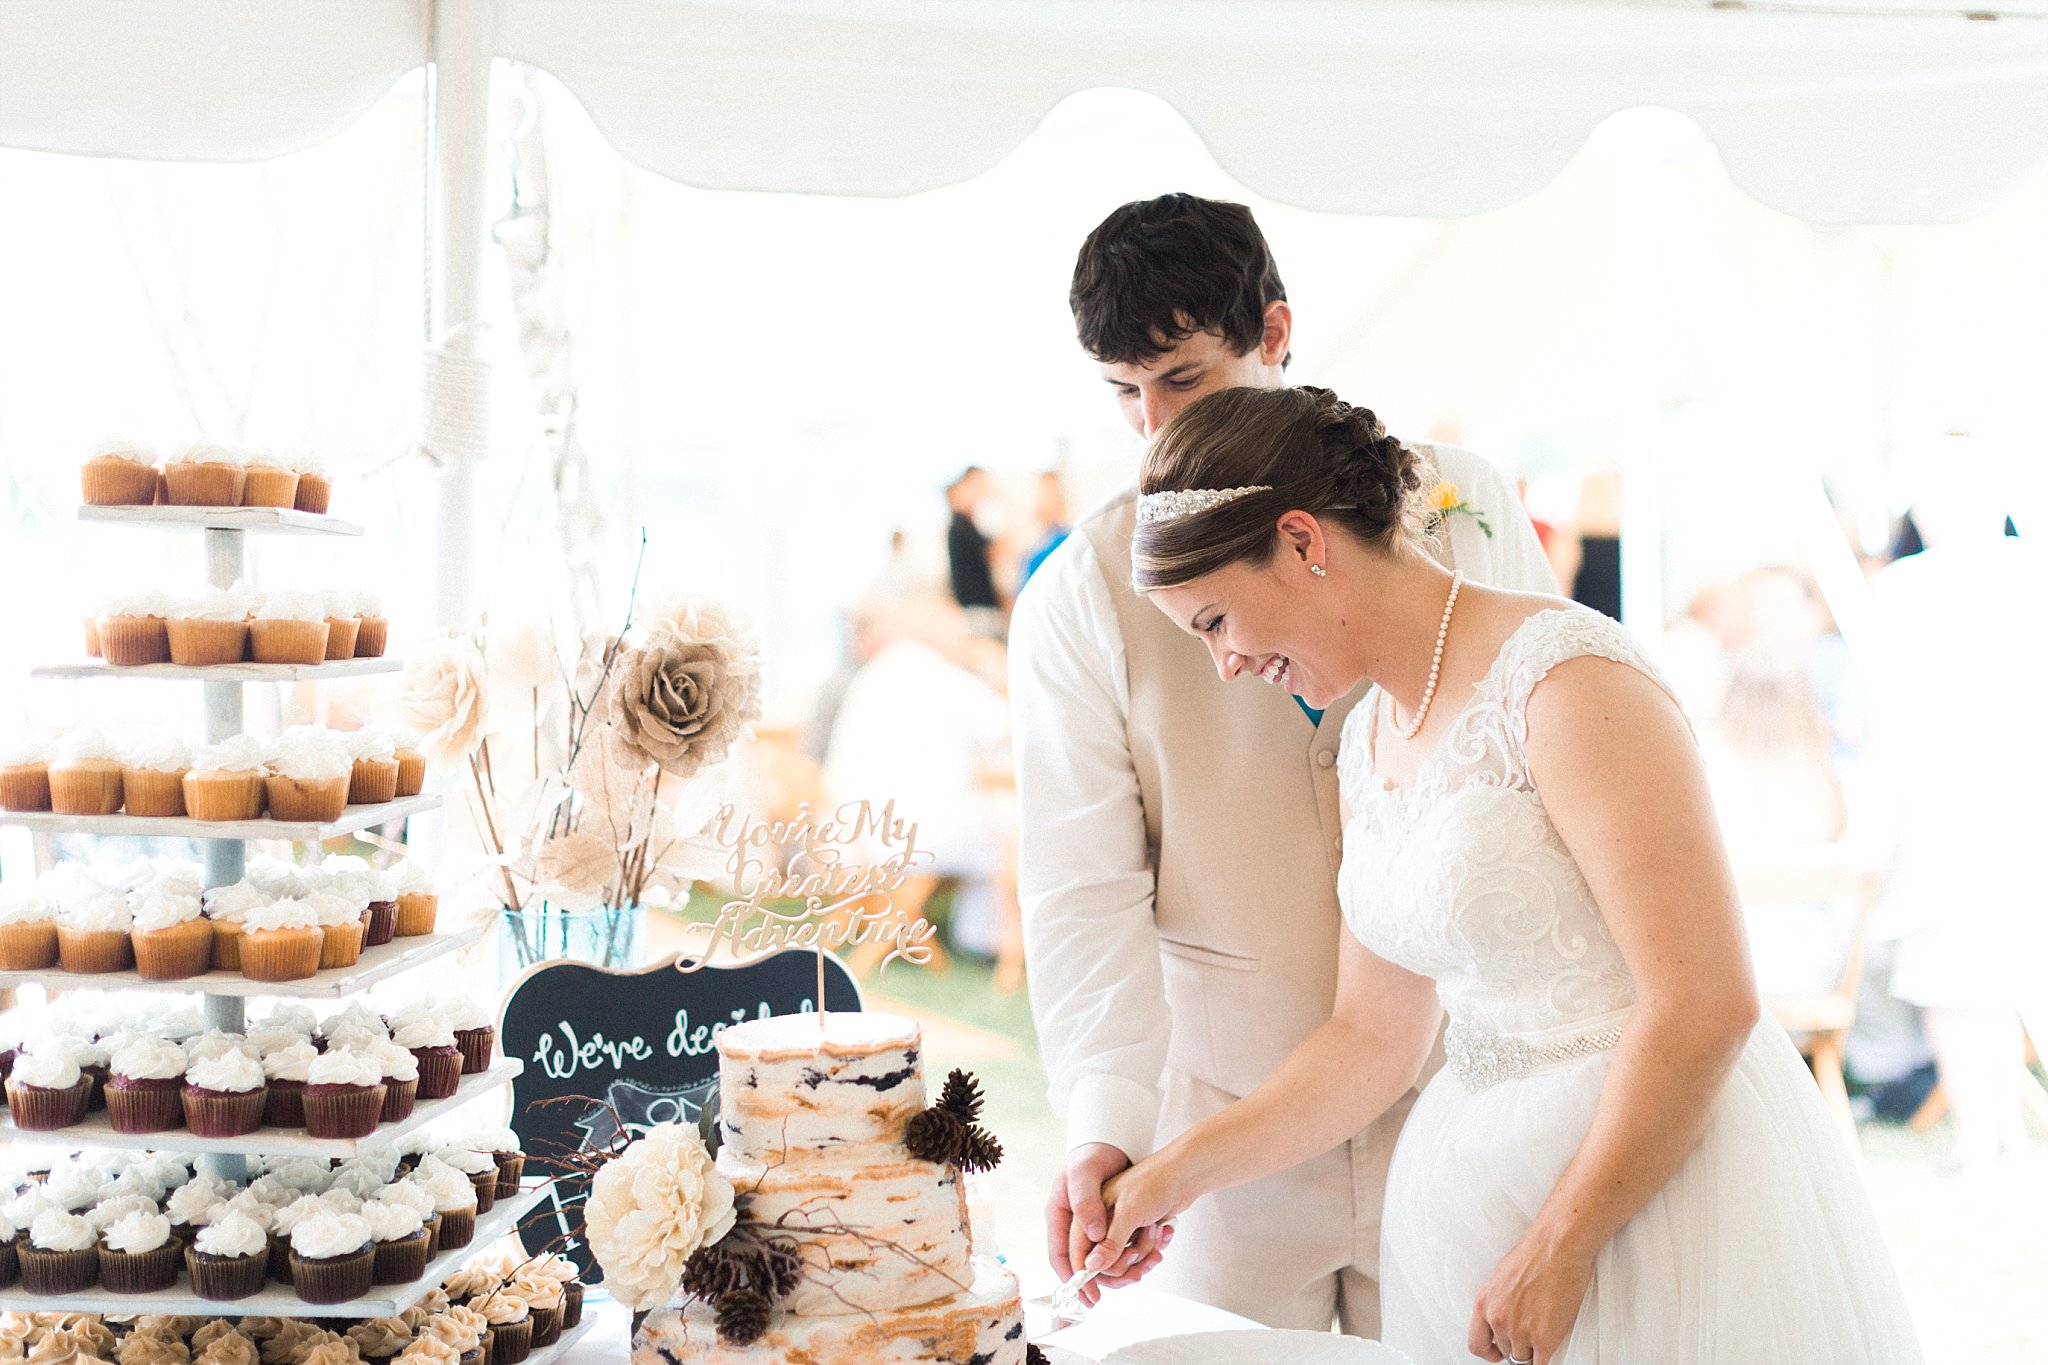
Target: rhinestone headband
[{"x": 1186, "y": 502}]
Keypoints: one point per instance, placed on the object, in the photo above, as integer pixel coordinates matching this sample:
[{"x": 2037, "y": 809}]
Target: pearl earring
[{"x": 1319, "y": 571}]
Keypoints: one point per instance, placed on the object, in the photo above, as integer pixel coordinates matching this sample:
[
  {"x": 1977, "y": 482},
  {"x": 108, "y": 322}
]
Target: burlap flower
[
  {"x": 443, "y": 697},
  {"x": 576, "y": 871},
  {"x": 681, "y": 700},
  {"x": 650, "y": 1208}
]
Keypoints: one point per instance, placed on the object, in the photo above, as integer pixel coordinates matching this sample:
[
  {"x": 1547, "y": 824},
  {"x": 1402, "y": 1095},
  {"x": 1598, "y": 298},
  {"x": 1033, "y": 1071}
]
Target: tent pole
[{"x": 457, "y": 186}]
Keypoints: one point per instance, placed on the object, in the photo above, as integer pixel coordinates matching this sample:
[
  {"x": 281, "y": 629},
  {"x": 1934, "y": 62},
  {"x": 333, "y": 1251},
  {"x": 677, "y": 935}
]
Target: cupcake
[
  {"x": 373, "y": 629},
  {"x": 511, "y": 1326},
  {"x": 119, "y": 473},
  {"x": 25, "y": 774},
  {"x": 309, "y": 774},
  {"x": 380, "y": 912},
  {"x": 373, "y": 779},
  {"x": 399, "y": 1235},
  {"x": 341, "y": 929},
  {"x": 417, "y": 1197},
  {"x": 418, "y": 903},
  {"x": 475, "y": 1034},
  {"x": 344, "y": 1095},
  {"x": 132, "y": 628},
  {"x": 342, "y": 624},
  {"x": 153, "y": 776},
  {"x": 401, "y": 1078},
  {"x": 281, "y": 941},
  {"x": 288, "y": 628},
  {"x": 412, "y": 763},
  {"x": 433, "y": 1042},
  {"x": 170, "y": 937},
  {"x": 544, "y": 1301},
  {"x": 85, "y": 777},
  {"x": 271, "y": 481},
  {"x": 229, "y": 1258},
  {"x": 285, "y": 1071},
  {"x": 314, "y": 487},
  {"x": 379, "y": 1339},
  {"x": 10, "y": 1263},
  {"x": 28, "y": 931},
  {"x": 138, "y": 1255},
  {"x": 226, "y": 780},
  {"x": 91, "y": 626},
  {"x": 481, "y": 1169},
  {"x": 205, "y": 474},
  {"x": 454, "y": 1199},
  {"x": 211, "y": 627},
  {"x": 143, "y": 1093},
  {"x": 60, "y": 1254},
  {"x": 503, "y": 1146},
  {"x": 223, "y": 1095},
  {"x": 332, "y": 1257},
  {"x": 46, "y": 1090},
  {"x": 225, "y": 907},
  {"x": 93, "y": 934}
]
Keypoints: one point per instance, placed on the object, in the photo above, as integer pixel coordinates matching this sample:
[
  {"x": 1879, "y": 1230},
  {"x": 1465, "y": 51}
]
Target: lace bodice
[{"x": 1460, "y": 876}]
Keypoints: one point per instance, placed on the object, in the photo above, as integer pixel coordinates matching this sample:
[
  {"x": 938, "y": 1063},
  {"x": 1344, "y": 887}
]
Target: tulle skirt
[{"x": 1762, "y": 1247}]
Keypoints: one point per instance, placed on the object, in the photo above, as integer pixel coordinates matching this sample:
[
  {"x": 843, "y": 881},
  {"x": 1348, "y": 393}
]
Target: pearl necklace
[{"x": 1436, "y": 663}]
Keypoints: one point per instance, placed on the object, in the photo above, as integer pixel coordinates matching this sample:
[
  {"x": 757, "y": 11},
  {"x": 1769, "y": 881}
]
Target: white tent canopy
[{"x": 1408, "y": 107}]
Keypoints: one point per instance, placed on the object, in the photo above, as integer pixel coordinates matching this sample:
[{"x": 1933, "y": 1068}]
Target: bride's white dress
[{"x": 1761, "y": 1248}]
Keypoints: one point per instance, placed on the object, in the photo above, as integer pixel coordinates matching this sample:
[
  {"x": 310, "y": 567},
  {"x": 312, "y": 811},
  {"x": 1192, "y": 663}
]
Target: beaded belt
[{"x": 1483, "y": 1058}]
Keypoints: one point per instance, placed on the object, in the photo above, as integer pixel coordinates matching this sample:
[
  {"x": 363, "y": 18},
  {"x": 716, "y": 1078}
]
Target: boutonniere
[{"x": 1445, "y": 502}]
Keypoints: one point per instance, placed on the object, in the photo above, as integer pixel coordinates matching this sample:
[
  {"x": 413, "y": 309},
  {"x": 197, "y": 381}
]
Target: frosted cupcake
[
  {"x": 309, "y": 773},
  {"x": 170, "y": 937},
  {"x": 503, "y": 1146},
  {"x": 143, "y": 1093},
  {"x": 225, "y": 907},
  {"x": 131, "y": 628},
  {"x": 373, "y": 779},
  {"x": 271, "y": 481},
  {"x": 314, "y": 486},
  {"x": 373, "y": 628},
  {"x": 138, "y": 1255},
  {"x": 475, "y": 1034},
  {"x": 226, "y": 780},
  {"x": 85, "y": 777},
  {"x": 205, "y": 474},
  {"x": 342, "y": 623},
  {"x": 332, "y": 1259},
  {"x": 399, "y": 1235},
  {"x": 229, "y": 1258},
  {"x": 25, "y": 774},
  {"x": 286, "y": 1071},
  {"x": 454, "y": 1199},
  {"x": 93, "y": 934},
  {"x": 432, "y": 1041},
  {"x": 28, "y": 930},
  {"x": 544, "y": 1301},
  {"x": 412, "y": 763},
  {"x": 281, "y": 941},
  {"x": 153, "y": 769},
  {"x": 401, "y": 1078},
  {"x": 119, "y": 473},
  {"x": 223, "y": 1095},
  {"x": 511, "y": 1326},
  {"x": 378, "y": 1340},
  {"x": 288, "y": 628},
  {"x": 60, "y": 1254},
  {"x": 211, "y": 627},
  {"x": 417, "y": 901},
  {"x": 416, "y": 1196},
  {"x": 480, "y": 1169},
  {"x": 344, "y": 1095},
  {"x": 46, "y": 1091},
  {"x": 341, "y": 929}
]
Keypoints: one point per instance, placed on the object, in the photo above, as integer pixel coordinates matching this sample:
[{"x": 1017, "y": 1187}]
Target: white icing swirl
[
  {"x": 290, "y": 606},
  {"x": 158, "y": 910},
  {"x": 424, "y": 1031},
  {"x": 370, "y": 742},
  {"x": 288, "y": 913},
  {"x": 392, "y": 1222},
  {"x": 234, "y": 1234},
  {"x": 30, "y": 749},
  {"x": 219, "y": 604},
  {"x": 463, "y": 1012},
  {"x": 141, "y": 452},
  {"x": 311, "y": 756},
  {"x": 24, "y": 905},
  {"x": 411, "y": 1194},
  {"x": 343, "y": 1067},
  {"x": 157, "y": 754},
  {"x": 105, "y": 912},
  {"x": 46, "y": 1071},
  {"x": 235, "y": 1072},
  {"x": 138, "y": 602},
  {"x": 203, "y": 451},
  {"x": 55, "y": 1230},
  {"x": 193, "y": 1201},
  {"x": 236, "y": 754},
  {"x": 397, "y": 1063},
  {"x": 137, "y": 1232},
  {"x": 149, "y": 1059},
  {"x": 81, "y": 745},
  {"x": 214, "y": 1043},
  {"x": 467, "y": 1160},
  {"x": 112, "y": 1209},
  {"x": 291, "y": 1063},
  {"x": 449, "y": 1187},
  {"x": 328, "y": 1234},
  {"x": 493, "y": 1140},
  {"x": 307, "y": 462}
]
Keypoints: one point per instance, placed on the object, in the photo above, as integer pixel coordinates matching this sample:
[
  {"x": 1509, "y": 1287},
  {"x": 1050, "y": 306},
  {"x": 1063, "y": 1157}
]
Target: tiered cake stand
[{"x": 224, "y": 993}]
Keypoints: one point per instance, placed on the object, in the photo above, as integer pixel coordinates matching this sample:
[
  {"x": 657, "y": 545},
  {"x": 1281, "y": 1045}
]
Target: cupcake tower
[{"x": 278, "y": 935}]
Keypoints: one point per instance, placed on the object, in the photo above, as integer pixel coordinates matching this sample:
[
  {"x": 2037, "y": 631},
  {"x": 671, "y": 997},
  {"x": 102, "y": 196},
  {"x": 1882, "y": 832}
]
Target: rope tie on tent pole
[{"x": 455, "y": 399}]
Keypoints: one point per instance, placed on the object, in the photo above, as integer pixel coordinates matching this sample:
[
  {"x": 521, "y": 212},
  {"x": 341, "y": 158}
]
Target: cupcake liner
[
  {"x": 141, "y": 1272},
  {"x": 205, "y": 485},
  {"x": 412, "y": 773},
  {"x": 197, "y": 644},
  {"x": 458, "y": 1228},
  {"x": 341, "y": 638},
  {"x": 316, "y": 800},
  {"x": 401, "y": 1262},
  {"x": 281, "y": 954},
  {"x": 334, "y": 1279},
  {"x": 416, "y": 911},
  {"x": 128, "y": 641},
  {"x": 373, "y": 781},
  {"x": 268, "y": 486},
  {"x": 278, "y": 1260},
  {"x": 146, "y": 1105},
  {"x": 222, "y": 1113},
  {"x": 227, "y": 946},
  {"x": 477, "y": 1355},
  {"x": 572, "y": 1304},
  {"x": 485, "y": 1183},
  {"x": 26, "y": 787},
  {"x": 511, "y": 1342},
  {"x": 511, "y": 1165},
  {"x": 10, "y": 1265},
  {"x": 373, "y": 633},
  {"x": 547, "y": 1325},
  {"x": 85, "y": 790},
  {"x": 476, "y": 1045},
  {"x": 92, "y": 637},
  {"x": 28, "y": 947},
  {"x": 40, "y": 1109},
  {"x": 94, "y": 950},
  {"x": 147, "y": 792},
  {"x": 223, "y": 1278},
  {"x": 341, "y": 944},
  {"x": 288, "y": 642},
  {"x": 440, "y": 1071},
  {"x": 398, "y": 1100},
  {"x": 57, "y": 1272},
  {"x": 96, "y": 1074},
  {"x": 380, "y": 923},
  {"x": 184, "y": 949},
  {"x": 111, "y": 481},
  {"x": 433, "y": 1235},
  {"x": 313, "y": 493},
  {"x": 162, "y": 495},
  {"x": 343, "y": 1111},
  {"x": 224, "y": 796},
  {"x": 285, "y": 1105}
]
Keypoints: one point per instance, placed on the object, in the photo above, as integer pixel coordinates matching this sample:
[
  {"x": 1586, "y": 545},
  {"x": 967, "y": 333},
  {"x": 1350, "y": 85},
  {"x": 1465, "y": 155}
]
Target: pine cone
[
  {"x": 936, "y": 1135},
  {"x": 714, "y": 1271},
  {"x": 961, "y": 1096},
  {"x": 978, "y": 1151},
  {"x": 742, "y": 1317},
  {"x": 781, "y": 1269}
]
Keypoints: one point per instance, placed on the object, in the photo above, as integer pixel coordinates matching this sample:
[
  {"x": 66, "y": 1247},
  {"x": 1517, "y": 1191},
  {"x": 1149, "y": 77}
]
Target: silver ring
[{"x": 1530, "y": 1361}]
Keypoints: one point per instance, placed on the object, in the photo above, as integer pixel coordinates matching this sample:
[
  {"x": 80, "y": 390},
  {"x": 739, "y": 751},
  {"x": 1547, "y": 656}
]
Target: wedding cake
[{"x": 818, "y": 1127}]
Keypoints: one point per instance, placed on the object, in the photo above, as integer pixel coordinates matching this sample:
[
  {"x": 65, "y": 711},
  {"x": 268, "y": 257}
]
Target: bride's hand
[
  {"x": 1527, "y": 1306},
  {"x": 1148, "y": 1193}
]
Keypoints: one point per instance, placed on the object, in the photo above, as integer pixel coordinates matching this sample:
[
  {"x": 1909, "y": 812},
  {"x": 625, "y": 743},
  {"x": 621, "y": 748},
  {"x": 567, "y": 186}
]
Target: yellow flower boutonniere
[{"x": 1445, "y": 501}]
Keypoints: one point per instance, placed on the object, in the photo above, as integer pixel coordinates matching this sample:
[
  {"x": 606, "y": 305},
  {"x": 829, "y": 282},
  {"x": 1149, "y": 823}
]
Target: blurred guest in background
[
  {"x": 1052, "y": 515},
  {"x": 967, "y": 554}
]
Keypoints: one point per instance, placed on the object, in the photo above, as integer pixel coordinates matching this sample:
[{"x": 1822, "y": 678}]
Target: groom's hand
[{"x": 1076, "y": 1219}]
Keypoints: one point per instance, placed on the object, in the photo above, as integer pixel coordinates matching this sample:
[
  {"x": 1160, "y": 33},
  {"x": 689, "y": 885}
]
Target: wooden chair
[{"x": 1820, "y": 1023}]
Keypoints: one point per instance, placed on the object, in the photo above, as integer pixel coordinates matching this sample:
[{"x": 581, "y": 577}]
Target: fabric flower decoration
[
  {"x": 680, "y": 700},
  {"x": 443, "y": 697},
  {"x": 650, "y": 1209}
]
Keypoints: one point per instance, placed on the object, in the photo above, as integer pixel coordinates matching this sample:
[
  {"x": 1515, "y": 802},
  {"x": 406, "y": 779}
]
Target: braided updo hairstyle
[{"x": 1316, "y": 453}]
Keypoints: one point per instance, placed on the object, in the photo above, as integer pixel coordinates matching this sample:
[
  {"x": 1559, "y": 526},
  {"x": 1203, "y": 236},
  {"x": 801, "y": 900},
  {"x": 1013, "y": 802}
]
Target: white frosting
[
  {"x": 344, "y": 1068},
  {"x": 379, "y": 1157},
  {"x": 248, "y": 1204},
  {"x": 288, "y": 913},
  {"x": 137, "y": 1232},
  {"x": 397, "y": 1063},
  {"x": 138, "y": 602},
  {"x": 80, "y": 745},
  {"x": 356, "y": 1014},
  {"x": 141, "y": 452},
  {"x": 149, "y": 1059},
  {"x": 157, "y": 910},
  {"x": 426, "y": 1031},
  {"x": 449, "y": 1187},
  {"x": 135, "y": 1181},
  {"x": 107, "y": 911},
  {"x": 23, "y": 1208},
  {"x": 405, "y": 740},
  {"x": 289, "y": 1063},
  {"x": 290, "y": 606},
  {"x": 113, "y": 1209},
  {"x": 177, "y": 875},
  {"x": 24, "y": 905},
  {"x": 392, "y": 1222},
  {"x": 288, "y": 1216},
  {"x": 204, "y": 452},
  {"x": 157, "y": 754},
  {"x": 292, "y": 1015},
  {"x": 493, "y": 1140},
  {"x": 273, "y": 876},
  {"x": 46, "y": 1071},
  {"x": 266, "y": 458},
  {"x": 411, "y": 1194},
  {"x": 357, "y": 1181},
  {"x": 326, "y": 1234},
  {"x": 267, "y": 1038},
  {"x": 467, "y": 1160},
  {"x": 55, "y": 1230},
  {"x": 341, "y": 1200},
  {"x": 302, "y": 1172},
  {"x": 411, "y": 878},
  {"x": 234, "y": 1234},
  {"x": 463, "y": 1012},
  {"x": 307, "y": 462},
  {"x": 311, "y": 755},
  {"x": 370, "y": 742},
  {"x": 193, "y": 1201},
  {"x": 340, "y": 603},
  {"x": 237, "y": 754},
  {"x": 218, "y": 604},
  {"x": 76, "y": 1186},
  {"x": 332, "y": 911},
  {"x": 233, "y": 902},
  {"x": 368, "y": 603},
  {"x": 214, "y": 1043},
  {"x": 30, "y": 749},
  {"x": 234, "y": 1071}
]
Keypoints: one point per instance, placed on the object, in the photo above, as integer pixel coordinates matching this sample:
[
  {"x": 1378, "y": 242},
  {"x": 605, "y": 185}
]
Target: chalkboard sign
[{"x": 638, "y": 1046}]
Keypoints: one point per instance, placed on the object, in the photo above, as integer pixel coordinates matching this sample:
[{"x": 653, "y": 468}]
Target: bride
[{"x": 1622, "y": 1160}]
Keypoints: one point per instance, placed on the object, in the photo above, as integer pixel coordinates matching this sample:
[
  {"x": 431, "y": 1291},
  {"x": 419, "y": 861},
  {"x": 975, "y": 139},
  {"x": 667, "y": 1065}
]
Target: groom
[{"x": 1181, "y": 837}]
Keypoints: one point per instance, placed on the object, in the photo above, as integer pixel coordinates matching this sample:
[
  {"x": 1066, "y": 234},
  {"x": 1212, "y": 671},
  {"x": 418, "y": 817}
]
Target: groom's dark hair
[{"x": 1157, "y": 271}]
